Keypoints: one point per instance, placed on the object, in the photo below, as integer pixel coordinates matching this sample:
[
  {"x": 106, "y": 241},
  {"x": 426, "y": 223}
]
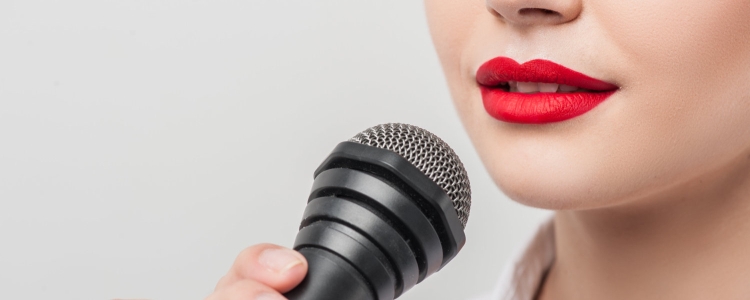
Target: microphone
[{"x": 387, "y": 209}]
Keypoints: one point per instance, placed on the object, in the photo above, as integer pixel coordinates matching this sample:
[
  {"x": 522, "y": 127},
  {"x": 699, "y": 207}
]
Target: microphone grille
[{"x": 429, "y": 154}]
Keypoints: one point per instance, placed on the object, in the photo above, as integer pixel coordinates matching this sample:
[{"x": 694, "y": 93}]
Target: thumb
[{"x": 274, "y": 266}]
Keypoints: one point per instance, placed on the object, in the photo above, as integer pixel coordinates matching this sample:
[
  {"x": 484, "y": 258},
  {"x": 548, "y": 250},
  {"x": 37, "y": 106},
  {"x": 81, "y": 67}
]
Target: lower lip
[{"x": 539, "y": 108}]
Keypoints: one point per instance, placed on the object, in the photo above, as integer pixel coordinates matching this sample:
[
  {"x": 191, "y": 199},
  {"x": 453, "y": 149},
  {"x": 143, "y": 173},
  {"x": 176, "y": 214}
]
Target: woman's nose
[{"x": 524, "y": 13}]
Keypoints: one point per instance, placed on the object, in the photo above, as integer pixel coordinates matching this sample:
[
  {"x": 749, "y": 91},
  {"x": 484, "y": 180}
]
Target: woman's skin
[{"x": 651, "y": 187}]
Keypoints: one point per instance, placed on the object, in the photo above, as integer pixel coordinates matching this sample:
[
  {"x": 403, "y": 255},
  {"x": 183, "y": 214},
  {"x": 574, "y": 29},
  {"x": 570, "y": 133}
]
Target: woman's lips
[{"x": 501, "y": 78}]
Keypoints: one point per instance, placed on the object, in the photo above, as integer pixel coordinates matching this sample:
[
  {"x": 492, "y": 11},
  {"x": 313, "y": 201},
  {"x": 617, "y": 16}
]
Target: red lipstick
[{"x": 498, "y": 77}]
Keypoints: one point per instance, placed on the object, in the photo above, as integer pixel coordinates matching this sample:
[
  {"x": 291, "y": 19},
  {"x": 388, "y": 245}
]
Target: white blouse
[{"x": 523, "y": 274}]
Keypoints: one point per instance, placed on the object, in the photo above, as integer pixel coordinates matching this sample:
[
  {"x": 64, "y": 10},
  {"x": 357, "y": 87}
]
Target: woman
[{"x": 631, "y": 119}]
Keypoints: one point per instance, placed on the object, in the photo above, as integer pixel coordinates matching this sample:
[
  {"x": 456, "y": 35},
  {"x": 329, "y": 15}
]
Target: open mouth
[
  {"x": 538, "y": 91},
  {"x": 539, "y": 87}
]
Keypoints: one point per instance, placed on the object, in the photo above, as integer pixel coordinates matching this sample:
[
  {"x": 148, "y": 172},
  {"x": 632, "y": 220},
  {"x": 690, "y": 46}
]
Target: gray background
[{"x": 143, "y": 144}]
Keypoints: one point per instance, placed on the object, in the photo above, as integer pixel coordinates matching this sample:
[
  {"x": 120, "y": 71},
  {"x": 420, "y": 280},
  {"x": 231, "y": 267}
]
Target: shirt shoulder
[{"x": 525, "y": 270}]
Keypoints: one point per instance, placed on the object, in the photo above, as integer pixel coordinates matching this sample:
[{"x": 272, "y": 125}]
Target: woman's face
[{"x": 682, "y": 108}]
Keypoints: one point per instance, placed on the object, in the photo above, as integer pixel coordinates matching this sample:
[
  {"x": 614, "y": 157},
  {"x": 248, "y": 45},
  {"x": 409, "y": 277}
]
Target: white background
[{"x": 143, "y": 144}]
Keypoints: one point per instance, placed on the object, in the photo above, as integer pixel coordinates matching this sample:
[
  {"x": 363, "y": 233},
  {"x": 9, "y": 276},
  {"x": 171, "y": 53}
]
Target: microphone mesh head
[{"x": 429, "y": 154}]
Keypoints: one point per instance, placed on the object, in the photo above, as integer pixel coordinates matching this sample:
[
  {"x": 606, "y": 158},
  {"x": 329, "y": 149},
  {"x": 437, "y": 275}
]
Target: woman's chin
[
  {"x": 563, "y": 188},
  {"x": 548, "y": 196},
  {"x": 586, "y": 185}
]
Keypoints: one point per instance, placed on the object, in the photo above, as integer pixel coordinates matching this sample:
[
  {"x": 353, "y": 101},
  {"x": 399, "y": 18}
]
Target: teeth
[
  {"x": 548, "y": 87},
  {"x": 528, "y": 87},
  {"x": 535, "y": 87},
  {"x": 567, "y": 88}
]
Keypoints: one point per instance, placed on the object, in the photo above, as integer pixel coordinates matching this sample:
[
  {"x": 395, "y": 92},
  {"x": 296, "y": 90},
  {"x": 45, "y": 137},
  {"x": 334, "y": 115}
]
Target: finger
[
  {"x": 246, "y": 290},
  {"x": 277, "y": 267}
]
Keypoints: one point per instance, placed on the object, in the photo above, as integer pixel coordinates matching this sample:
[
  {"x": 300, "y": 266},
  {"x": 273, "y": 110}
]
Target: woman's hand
[{"x": 261, "y": 272}]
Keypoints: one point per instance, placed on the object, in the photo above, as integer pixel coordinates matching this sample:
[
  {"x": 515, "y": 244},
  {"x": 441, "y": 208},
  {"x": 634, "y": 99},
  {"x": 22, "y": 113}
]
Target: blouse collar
[{"x": 524, "y": 273}]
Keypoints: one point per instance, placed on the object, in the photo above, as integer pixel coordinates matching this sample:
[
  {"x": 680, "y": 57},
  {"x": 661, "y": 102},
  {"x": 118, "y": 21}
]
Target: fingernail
[
  {"x": 269, "y": 296},
  {"x": 279, "y": 260}
]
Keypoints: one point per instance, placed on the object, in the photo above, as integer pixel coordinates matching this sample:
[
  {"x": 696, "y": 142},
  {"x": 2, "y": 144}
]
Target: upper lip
[{"x": 501, "y": 70}]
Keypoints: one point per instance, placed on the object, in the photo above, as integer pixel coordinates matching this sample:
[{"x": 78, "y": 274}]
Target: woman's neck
[{"x": 691, "y": 243}]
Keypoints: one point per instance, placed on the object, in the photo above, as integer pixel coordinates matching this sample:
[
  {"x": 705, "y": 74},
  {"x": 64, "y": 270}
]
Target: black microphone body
[{"x": 375, "y": 225}]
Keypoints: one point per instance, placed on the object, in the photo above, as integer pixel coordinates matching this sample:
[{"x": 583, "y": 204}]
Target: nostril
[{"x": 538, "y": 11}]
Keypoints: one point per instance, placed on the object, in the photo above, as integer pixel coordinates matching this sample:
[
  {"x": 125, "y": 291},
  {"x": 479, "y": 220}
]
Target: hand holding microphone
[{"x": 387, "y": 209}]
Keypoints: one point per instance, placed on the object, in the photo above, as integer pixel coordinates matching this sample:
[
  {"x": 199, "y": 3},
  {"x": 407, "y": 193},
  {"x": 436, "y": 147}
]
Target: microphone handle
[
  {"x": 327, "y": 275},
  {"x": 343, "y": 262}
]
